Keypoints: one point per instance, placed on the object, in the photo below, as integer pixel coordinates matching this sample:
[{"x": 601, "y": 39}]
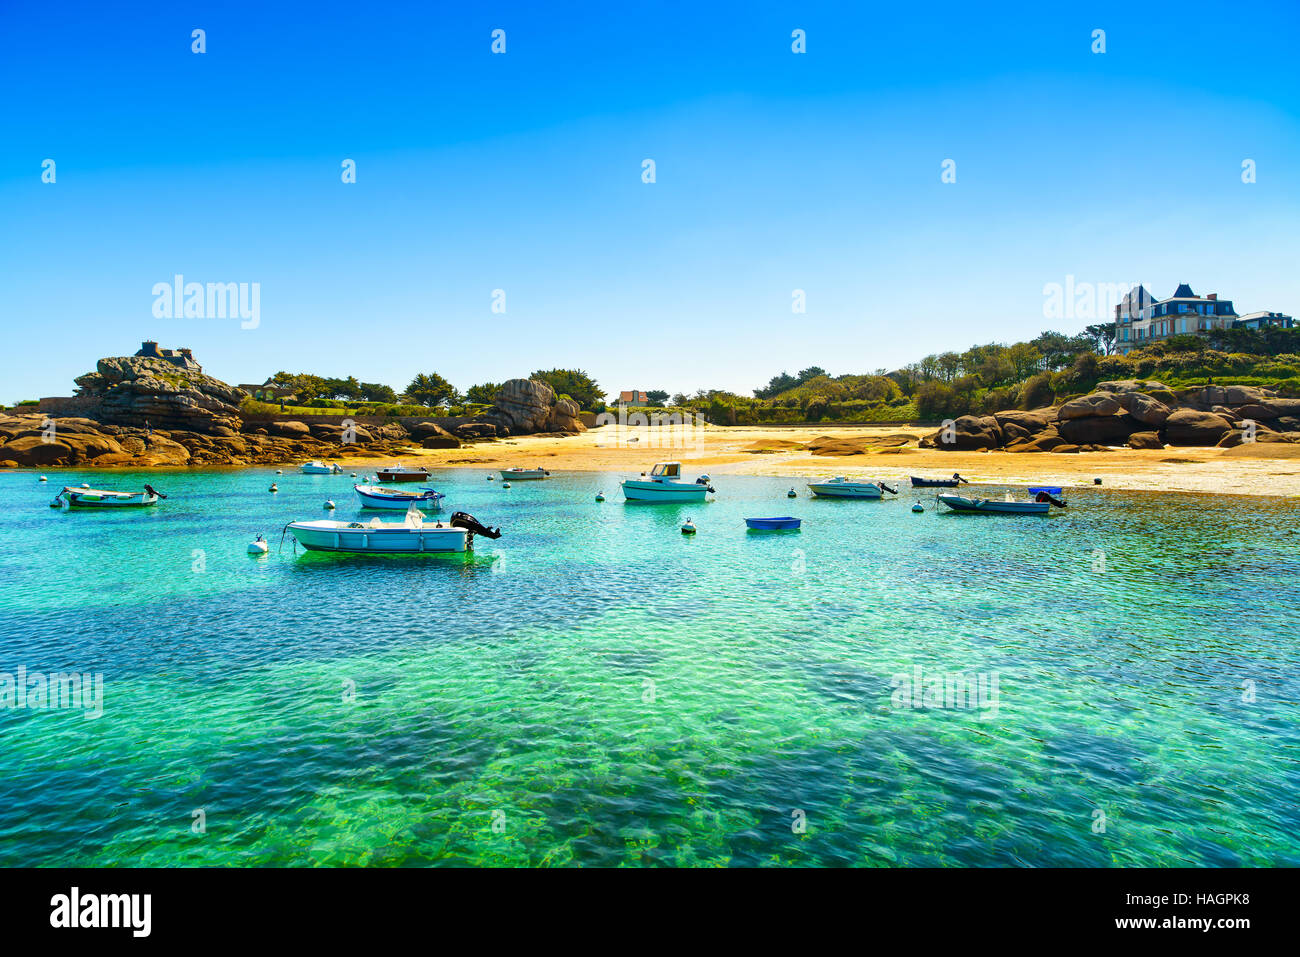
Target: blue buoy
[
  {"x": 600, "y": 496},
  {"x": 505, "y": 484},
  {"x": 791, "y": 494},
  {"x": 918, "y": 507}
]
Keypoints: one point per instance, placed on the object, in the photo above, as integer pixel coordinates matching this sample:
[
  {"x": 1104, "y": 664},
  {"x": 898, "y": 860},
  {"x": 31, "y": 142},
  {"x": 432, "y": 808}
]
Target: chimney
[{"x": 1212, "y": 295}]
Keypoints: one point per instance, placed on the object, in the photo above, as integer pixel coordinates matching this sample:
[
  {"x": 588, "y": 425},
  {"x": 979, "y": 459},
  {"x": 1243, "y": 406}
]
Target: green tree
[
  {"x": 576, "y": 384},
  {"x": 656, "y": 397},
  {"x": 482, "y": 394},
  {"x": 429, "y": 388}
]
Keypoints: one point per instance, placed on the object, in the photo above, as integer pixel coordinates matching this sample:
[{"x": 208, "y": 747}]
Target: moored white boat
[
  {"x": 840, "y": 487},
  {"x": 518, "y": 473},
  {"x": 408, "y": 537},
  {"x": 664, "y": 485},
  {"x": 317, "y": 467},
  {"x": 376, "y": 496},
  {"x": 103, "y": 498},
  {"x": 1039, "y": 502}
]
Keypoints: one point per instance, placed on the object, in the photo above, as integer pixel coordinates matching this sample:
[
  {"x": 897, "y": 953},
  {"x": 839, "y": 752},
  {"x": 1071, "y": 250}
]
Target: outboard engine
[
  {"x": 153, "y": 491},
  {"x": 886, "y": 488},
  {"x": 475, "y": 527},
  {"x": 1049, "y": 497}
]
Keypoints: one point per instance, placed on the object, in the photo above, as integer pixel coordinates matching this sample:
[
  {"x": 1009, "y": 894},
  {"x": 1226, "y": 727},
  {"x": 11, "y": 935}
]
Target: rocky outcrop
[
  {"x": 38, "y": 441},
  {"x": 143, "y": 392},
  {"x": 1135, "y": 413},
  {"x": 527, "y": 405}
]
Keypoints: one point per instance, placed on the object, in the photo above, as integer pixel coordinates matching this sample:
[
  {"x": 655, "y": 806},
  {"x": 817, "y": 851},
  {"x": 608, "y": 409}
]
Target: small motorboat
[
  {"x": 1040, "y": 501},
  {"x": 376, "y": 496},
  {"x": 664, "y": 484},
  {"x": 402, "y": 473},
  {"x": 782, "y": 523},
  {"x": 518, "y": 473},
  {"x": 407, "y": 537},
  {"x": 840, "y": 487},
  {"x": 317, "y": 467},
  {"x": 918, "y": 482},
  {"x": 102, "y": 498}
]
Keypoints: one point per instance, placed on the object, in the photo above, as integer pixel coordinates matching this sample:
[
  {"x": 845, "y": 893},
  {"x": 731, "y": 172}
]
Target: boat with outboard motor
[
  {"x": 376, "y": 496},
  {"x": 841, "y": 487},
  {"x": 918, "y": 482},
  {"x": 664, "y": 484},
  {"x": 103, "y": 498},
  {"x": 403, "y": 473},
  {"x": 518, "y": 473},
  {"x": 317, "y": 467},
  {"x": 1040, "y": 501},
  {"x": 411, "y": 536}
]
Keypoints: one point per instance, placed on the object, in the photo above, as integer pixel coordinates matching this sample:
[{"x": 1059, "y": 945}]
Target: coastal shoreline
[{"x": 1269, "y": 470}]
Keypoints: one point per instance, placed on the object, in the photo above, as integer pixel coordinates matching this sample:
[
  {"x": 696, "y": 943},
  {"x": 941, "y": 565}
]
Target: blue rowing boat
[{"x": 773, "y": 524}]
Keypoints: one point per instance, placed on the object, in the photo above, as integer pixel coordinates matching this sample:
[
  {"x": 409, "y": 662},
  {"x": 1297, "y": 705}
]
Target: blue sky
[{"x": 523, "y": 172}]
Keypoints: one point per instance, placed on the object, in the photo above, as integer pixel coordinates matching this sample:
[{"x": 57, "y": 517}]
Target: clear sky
[{"x": 522, "y": 171}]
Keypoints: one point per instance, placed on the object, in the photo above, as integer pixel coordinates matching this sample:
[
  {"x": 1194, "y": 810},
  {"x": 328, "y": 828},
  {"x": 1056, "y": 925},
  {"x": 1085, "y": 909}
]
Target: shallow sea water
[{"x": 595, "y": 688}]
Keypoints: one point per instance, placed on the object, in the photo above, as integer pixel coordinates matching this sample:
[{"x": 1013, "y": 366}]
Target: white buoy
[
  {"x": 505, "y": 484},
  {"x": 330, "y": 504},
  {"x": 279, "y": 471},
  {"x": 600, "y": 496},
  {"x": 42, "y": 479},
  {"x": 258, "y": 546},
  {"x": 791, "y": 494},
  {"x": 918, "y": 507},
  {"x": 354, "y": 474},
  {"x": 85, "y": 485},
  {"x": 274, "y": 488},
  {"x": 491, "y": 477},
  {"x": 688, "y": 527}
]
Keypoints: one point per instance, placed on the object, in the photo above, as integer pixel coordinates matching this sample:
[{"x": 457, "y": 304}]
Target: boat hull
[
  {"x": 986, "y": 506},
  {"x": 784, "y": 523},
  {"x": 934, "y": 483},
  {"x": 523, "y": 474},
  {"x": 328, "y": 536},
  {"x": 98, "y": 499},
  {"x": 369, "y": 497},
  {"x": 663, "y": 492},
  {"x": 845, "y": 490},
  {"x": 387, "y": 476}
]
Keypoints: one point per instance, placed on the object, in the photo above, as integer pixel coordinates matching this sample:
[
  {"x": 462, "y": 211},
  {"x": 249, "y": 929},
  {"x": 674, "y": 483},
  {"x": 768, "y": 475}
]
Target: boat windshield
[{"x": 667, "y": 470}]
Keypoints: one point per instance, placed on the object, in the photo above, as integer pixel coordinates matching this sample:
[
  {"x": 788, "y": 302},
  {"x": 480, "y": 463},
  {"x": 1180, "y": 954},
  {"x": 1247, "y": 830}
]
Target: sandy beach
[{"x": 1258, "y": 469}]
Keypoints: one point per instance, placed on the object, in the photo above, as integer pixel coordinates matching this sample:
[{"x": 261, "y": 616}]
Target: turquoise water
[{"x": 597, "y": 689}]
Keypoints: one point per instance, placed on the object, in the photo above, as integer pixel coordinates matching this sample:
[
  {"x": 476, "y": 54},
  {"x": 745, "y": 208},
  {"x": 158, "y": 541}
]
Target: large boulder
[
  {"x": 1193, "y": 427},
  {"x": 528, "y": 405},
  {"x": 1018, "y": 424},
  {"x": 1145, "y": 440},
  {"x": 1045, "y": 441},
  {"x": 1256, "y": 411},
  {"x": 291, "y": 429},
  {"x": 1099, "y": 429},
  {"x": 1118, "y": 386},
  {"x": 1145, "y": 408},
  {"x": 969, "y": 433},
  {"x": 36, "y": 450},
  {"x": 1098, "y": 403},
  {"x": 475, "y": 431}
]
